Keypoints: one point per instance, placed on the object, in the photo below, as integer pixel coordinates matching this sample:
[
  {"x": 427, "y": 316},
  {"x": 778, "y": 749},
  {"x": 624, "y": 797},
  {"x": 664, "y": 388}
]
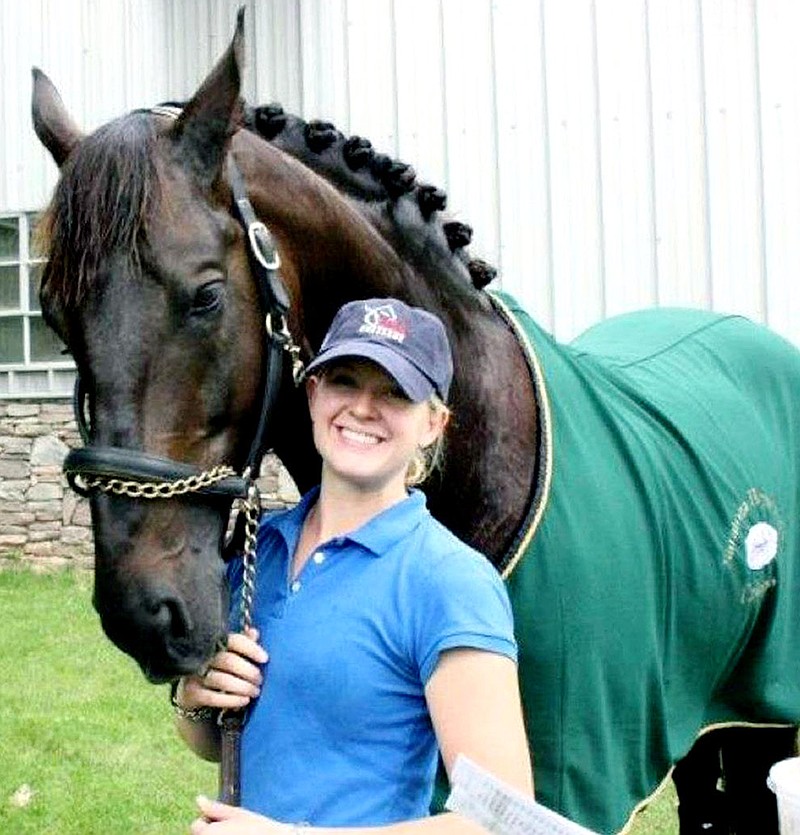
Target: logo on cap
[{"x": 382, "y": 321}]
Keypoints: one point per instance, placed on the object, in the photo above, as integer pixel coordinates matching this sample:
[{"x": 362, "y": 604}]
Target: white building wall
[
  {"x": 610, "y": 154},
  {"x": 105, "y": 57}
]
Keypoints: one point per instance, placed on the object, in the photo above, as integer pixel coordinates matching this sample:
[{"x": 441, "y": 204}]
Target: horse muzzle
[{"x": 166, "y": 634}]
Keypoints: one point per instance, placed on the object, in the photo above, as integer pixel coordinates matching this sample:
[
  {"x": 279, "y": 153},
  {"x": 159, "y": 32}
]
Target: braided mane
[
  {"x": 406, "y": 212},
  {"x": 108, "y": 189}
]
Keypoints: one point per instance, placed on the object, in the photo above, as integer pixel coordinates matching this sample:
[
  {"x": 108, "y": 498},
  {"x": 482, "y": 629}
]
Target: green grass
[
  {"x": 80, "y": 725},
  {"x": 91, "y": 738}
]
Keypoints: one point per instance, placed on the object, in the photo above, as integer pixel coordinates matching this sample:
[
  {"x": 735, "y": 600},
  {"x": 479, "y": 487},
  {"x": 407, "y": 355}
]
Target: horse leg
[
  {"x": 721, "y": 782},
  {"x": 698, "y": 783},
  {"x": 747, "y": 755}
]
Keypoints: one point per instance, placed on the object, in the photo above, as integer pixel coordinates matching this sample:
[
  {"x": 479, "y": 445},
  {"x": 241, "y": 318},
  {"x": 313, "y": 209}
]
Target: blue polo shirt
[{"x": 341, "y": 735}]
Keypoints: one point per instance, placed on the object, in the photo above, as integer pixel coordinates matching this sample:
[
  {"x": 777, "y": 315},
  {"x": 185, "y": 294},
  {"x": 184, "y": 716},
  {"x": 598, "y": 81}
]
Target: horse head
[{"x": 148, "y": 285}]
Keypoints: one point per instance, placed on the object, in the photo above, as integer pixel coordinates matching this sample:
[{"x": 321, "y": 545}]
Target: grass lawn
[
  {"x": 87, "y": 746},
  {"x": 80, "y": 726}
]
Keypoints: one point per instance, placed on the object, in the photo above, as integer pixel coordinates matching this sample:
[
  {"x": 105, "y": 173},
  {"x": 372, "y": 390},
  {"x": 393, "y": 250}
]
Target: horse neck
[{"x": 331, "y": 254}]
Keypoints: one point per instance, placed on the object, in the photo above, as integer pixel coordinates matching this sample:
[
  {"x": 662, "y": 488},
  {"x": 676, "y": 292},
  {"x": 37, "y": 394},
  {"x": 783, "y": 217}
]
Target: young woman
[{"x": 382, "y": 640}]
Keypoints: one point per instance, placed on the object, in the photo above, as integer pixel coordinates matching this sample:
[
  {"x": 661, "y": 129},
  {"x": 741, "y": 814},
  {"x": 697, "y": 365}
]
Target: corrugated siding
[
  {"x": 105, "y": 57},
  {"x": 610, "y": 154}
]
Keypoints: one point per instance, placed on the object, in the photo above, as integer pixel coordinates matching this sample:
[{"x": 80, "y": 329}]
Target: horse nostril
[{"x": 170, "y": 617}]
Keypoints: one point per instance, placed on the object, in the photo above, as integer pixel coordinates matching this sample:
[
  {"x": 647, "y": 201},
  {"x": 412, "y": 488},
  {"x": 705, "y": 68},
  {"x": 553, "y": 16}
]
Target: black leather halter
[{"x": 93, "y": 467}]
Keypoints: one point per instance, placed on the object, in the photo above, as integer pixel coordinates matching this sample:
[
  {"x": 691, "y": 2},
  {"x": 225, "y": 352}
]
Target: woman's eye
[
  {"x": 342, "y": 379},
  {"x": 208, "y": 298}
]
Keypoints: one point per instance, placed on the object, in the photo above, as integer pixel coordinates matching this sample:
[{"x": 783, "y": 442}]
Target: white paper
[{"x": 501, "y": 809}]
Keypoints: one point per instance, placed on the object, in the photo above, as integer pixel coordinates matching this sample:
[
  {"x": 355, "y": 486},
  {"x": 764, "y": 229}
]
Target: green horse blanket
[{"x": 657, "y": 588}]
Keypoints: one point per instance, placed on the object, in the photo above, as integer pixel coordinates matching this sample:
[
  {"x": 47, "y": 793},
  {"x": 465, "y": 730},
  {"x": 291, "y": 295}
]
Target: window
[{"x": 31, "y": 360}]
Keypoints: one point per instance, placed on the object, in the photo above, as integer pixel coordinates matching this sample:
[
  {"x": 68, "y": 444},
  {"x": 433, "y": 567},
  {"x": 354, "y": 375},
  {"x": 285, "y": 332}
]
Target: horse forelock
[{"x": 107, "y": 192}]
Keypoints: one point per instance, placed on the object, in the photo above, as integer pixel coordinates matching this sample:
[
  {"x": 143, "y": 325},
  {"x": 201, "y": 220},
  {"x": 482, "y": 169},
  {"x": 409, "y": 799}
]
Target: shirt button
[
  {"x": 319, "y": 558},
  {"x": 295, "y": 587}
]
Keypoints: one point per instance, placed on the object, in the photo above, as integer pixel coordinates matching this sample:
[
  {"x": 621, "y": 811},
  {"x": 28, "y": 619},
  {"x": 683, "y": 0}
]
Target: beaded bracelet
[{"x": 191, "y": 714}]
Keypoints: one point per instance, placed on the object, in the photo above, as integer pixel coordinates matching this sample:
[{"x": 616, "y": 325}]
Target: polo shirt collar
[
  {"x": 289, "y": 524},
  {"x": 376, "y": 536},
  {"x": 391, "y": 525}
]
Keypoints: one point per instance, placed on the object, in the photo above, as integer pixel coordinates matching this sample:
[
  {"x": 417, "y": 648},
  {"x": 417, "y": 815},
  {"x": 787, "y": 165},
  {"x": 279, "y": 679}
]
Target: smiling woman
[
  {"x": 366, "y": 429},
  {"x": 380, "y": 626},
  {"x": 375, "y": 411}
]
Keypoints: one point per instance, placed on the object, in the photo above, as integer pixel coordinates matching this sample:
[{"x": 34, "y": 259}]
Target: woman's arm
[
  {"x": 474, "y": 702},
  {"x": 220, "y": 819}
]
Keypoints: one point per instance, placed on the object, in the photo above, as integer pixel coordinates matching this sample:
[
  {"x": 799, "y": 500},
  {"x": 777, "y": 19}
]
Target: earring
[{"x": 417, "y": 469}]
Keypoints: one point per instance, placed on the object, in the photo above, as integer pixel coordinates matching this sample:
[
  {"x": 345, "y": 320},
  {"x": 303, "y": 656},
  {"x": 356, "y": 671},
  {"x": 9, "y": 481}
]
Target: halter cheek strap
[{"x": 138, "y": 474}]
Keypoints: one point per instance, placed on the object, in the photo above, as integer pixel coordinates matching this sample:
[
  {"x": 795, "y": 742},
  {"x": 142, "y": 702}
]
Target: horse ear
[
  {"x": 53, "y": 125},
  {"x": 208, "y": 120}
]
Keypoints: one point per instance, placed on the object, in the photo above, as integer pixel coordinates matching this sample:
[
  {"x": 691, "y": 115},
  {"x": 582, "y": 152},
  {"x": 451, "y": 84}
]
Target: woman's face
[{"x": 365, "y": 428}]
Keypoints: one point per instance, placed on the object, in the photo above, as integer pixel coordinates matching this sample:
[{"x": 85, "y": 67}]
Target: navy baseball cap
[{"x": 408, "y": 343}]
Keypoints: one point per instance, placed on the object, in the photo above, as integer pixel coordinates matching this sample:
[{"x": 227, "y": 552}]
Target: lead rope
[
  {"x": 231, "y": 722},
  {"x": 252, "y": 511}
]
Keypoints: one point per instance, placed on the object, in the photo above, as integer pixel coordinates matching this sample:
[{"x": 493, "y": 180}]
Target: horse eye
[{"x": 208, "y": 298}]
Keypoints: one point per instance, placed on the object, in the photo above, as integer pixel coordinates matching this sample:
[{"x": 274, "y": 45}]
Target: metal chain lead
[
  {"x": 159, "y": 489},
  {"x": 284, "y": 336},
  {"x": 252, "y": 511}
]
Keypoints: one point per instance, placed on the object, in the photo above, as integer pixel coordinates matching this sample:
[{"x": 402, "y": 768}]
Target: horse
[{"x": 637, "y": 488}]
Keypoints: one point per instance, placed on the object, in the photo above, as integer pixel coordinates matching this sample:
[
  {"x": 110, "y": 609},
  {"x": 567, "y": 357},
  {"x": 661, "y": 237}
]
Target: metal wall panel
[
  {"x": 609, "y": 155},
  {"x": 105, "y": 57},
  {"x": 679, "y": 154}
]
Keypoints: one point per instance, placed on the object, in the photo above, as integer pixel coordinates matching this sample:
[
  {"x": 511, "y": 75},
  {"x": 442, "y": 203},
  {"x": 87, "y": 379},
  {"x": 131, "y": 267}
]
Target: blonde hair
[{"x": 428, "y": 459}]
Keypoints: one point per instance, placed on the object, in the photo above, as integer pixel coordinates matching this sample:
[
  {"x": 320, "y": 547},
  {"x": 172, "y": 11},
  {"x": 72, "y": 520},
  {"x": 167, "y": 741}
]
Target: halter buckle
[{"x": 261, "y": 240}]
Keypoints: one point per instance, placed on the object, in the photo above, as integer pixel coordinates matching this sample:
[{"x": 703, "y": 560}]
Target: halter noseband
[{"x": 140, "y": 475}]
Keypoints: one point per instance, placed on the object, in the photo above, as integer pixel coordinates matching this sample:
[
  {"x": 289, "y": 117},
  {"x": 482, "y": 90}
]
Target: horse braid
[
  {"x": 459, "y": 235},
  {"x": 408, "y": 214},
  {"x": 430, "y": 199},
  {"x": 321, "y": 147},
  {"x": 481, "y": 272}
]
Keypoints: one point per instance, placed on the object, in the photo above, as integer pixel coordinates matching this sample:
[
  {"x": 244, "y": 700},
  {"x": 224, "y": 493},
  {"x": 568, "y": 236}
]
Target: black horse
[{"x": 639, "y": 489}]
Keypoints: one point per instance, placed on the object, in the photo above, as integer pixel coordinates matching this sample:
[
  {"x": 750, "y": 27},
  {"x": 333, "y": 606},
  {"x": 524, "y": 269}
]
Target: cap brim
[{"x": 414, "y": 383}]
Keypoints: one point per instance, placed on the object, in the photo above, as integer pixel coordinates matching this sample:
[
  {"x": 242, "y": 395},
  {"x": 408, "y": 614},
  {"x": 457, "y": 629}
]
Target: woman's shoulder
[
  {"x": 447, "y": 546},
  {"x": 286, "y": 518},
  {"x": 442, "y": 559}
]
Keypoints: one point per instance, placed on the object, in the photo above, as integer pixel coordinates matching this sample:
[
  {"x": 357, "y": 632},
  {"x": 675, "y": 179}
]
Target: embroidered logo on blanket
[
  {"x": 753, "y": 544},
  {"x": 761, "y": 545}
]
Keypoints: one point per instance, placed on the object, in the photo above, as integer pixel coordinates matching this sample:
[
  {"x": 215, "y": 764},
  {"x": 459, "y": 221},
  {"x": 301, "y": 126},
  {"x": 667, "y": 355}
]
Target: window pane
[
  {"x": 9, "y": 239},
  {"x": 33, "y": 219},
  {"x": 45, "y": 345},
  {"x": 9, "y": 287},
  {"x": 34, "y": 280},
  {"x": 31, "y": 382},
  {"x": 11, "y": 348},
  {"x": 63, "y": 382}
]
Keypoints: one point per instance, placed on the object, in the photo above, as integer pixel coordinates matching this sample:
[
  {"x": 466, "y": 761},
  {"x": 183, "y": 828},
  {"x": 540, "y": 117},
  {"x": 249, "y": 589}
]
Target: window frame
[{"x": 13, "y": 375}]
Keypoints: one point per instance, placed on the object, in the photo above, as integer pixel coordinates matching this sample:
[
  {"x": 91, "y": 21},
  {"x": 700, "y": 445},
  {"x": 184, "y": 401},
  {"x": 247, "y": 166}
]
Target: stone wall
[{"x": 42, "y": 522}]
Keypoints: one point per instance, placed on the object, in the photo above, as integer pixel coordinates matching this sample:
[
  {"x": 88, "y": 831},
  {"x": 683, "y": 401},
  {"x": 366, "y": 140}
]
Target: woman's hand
[
  {"x": 233, "y": 676},
  {"x": 221, "y": 819}
]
